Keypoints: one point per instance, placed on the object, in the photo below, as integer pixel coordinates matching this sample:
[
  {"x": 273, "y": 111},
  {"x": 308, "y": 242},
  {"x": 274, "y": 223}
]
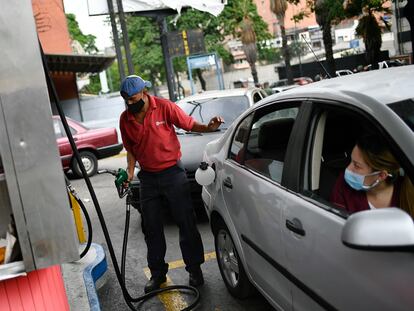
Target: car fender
[
  {"x": 215, "y": 214},
  {"x": 225, "y": 217}
]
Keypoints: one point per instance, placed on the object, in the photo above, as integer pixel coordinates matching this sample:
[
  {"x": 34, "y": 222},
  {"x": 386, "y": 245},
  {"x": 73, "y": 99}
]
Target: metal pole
[
  {"x": 190, "y": 69},
  {"x": 116, "y": 40},
  {"x": 125, "y": 37},
  {"x": 162, "y": 22},
  {"x": 298, "y": 46}
]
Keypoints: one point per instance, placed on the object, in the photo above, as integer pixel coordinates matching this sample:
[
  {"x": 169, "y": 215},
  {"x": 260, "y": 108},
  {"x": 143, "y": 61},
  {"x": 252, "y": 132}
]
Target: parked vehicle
[
  {"x": 228, "y": 104},
  {"x": 274, "y": 227},
  {"x": 279, "y": 89},
  {"x": 93, "y": 144},
  {"x": 281, "y": 82},
  {"x": 302, "y": 80},
  {"x": 343, "y": 72}
]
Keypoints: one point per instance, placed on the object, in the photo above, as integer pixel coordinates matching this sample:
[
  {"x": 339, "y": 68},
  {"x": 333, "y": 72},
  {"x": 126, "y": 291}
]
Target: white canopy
[{"x": 214, "y": 7}]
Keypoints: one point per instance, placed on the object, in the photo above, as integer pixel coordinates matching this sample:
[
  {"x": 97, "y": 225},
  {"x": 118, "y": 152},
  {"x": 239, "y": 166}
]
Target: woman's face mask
[
  {"x": 356, "y": 181},
  {"x": 136, "y": 107}
]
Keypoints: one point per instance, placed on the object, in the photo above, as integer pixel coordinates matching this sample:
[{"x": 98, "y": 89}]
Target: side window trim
[
  {"x": 321, "y": 107},
  {"x": 250, "y": 115}
]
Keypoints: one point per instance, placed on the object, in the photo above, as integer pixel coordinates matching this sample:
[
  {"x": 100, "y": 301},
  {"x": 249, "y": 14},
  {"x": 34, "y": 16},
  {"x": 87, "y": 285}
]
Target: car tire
[
  {"x": 230, "y": 265},
  {"x": 89, "y": 161}
]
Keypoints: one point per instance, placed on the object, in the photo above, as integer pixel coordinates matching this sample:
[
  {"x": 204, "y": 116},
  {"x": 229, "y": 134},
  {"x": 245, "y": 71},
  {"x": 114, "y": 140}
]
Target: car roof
[
  {"x": 220, "y": 93},
  {"x": 372, "y": 88}
]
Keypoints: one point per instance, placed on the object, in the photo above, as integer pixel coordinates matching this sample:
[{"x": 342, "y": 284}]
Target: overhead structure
[
  {"x": 78, "y": 63},
  {"x": 158, "y": 10},
  {"x": 214, "y": 7}
]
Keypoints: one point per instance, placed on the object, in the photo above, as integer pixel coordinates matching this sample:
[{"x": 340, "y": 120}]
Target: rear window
[
  {"x": 228, "y": 107},
  {"x": 405, "y": 110}
]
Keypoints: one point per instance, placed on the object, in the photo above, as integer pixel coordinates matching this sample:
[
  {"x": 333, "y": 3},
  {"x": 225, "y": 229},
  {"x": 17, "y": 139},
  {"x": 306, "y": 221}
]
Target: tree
[
  {"x": 147, "y": 57},
  {"x": 279, "y": 7},
  {"x": 328, "y": 12},
  {"x": 248, "y": 39},
  {"x": 239, "y": 19},
  {"x": 86, "y": 41},
  {"x": 368, "y": 27},
  {"x": 249, "y": 27}
]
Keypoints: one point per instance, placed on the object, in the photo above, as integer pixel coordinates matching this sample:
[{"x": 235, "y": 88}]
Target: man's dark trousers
[{"x": 170, "y": 186}]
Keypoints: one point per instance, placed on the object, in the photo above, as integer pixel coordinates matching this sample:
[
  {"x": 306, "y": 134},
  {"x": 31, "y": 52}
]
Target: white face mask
[{"x": 356, "y": 181}]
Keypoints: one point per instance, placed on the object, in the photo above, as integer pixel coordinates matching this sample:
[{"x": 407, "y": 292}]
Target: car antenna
[{"x": 319, "y": 62}]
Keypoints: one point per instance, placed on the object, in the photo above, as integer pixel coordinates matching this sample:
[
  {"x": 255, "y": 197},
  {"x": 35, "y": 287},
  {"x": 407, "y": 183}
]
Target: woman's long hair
[{"x": 378, "y": 157}]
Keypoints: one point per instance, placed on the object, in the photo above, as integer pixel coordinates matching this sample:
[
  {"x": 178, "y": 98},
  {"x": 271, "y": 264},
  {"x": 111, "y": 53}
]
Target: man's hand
[{"x": 215, "y": 123}]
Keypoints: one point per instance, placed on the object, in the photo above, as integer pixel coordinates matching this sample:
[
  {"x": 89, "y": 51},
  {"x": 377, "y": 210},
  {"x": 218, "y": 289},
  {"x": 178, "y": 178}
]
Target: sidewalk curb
[{"x": 92, "y": 273}]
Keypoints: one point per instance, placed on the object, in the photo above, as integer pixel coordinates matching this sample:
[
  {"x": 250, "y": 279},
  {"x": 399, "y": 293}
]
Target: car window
[
  {"x": 268, "y": 140},
  {"x": 239, "y": 139},
  {"x": 256, "y": 97},
  {"x": 58, "y": 129},
  {"x": 405, "y": 110},
  {"x": 229, "y": 108},
  {"x": 334, "y": 136}
]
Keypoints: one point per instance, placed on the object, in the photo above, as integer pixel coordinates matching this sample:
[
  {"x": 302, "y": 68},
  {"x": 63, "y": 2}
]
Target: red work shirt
[{"x": 154, "y": 144}]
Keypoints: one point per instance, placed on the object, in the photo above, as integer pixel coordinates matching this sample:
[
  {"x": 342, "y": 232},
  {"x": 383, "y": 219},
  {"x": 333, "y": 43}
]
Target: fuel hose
[{"x": 128, "y": 298}]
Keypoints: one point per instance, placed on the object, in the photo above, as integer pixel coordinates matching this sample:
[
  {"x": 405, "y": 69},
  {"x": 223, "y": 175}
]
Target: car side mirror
[{"x": 379, "y": 229}]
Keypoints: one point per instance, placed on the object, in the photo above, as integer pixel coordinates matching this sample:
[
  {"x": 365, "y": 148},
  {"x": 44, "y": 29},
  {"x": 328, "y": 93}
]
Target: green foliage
[
  {"x": 114, "y": 80},
  {"x": 94, "y": 86},
  {"x": 368, "y": 27},
  {"x": 358, "y": 7},
  {"x": 86, "y": 41},
  {"x": 297, "y": 48},
  {"x": 233, "y": 15},
  {"x": 146, "y": 49},
  {"x": 271, "y": 55}
]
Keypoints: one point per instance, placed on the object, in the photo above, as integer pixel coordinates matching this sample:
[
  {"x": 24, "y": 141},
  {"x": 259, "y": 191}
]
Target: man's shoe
[
  {"x": 154, "y": 283},
  {"x": 196, "y": 278}
]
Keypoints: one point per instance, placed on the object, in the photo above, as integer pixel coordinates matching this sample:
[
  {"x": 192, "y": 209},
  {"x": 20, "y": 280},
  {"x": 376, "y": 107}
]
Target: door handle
[
  {"x": 296, "y": 226},
  {"x": 227, "y": 183}
]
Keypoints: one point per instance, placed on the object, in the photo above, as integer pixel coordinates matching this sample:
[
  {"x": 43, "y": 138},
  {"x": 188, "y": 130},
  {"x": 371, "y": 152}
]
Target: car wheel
[
  {"x": 231, "y": 268},
  {"x": 90, "y": 162}
]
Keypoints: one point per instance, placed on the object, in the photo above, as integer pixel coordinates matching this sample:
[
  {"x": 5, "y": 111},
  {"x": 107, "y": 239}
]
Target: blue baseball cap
[{"x": 132, "y": 85}]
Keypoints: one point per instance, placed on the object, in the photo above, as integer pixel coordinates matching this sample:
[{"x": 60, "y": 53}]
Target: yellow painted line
[
  {"x": 172, "y": 300},
  {"x": 180, "y": 263}
]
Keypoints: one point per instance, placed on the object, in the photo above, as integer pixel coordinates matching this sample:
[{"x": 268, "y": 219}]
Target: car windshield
[
  {"x": 405, "y": 110},
  {"x": 229, "y": 108}
]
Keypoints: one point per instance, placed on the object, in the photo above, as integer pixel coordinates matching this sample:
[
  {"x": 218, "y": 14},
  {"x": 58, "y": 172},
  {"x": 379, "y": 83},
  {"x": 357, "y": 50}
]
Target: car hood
[{"x": 192, "y": 148}]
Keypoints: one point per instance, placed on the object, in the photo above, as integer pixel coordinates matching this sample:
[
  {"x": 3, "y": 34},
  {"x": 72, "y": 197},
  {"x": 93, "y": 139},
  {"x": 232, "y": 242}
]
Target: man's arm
[
  {"x": 131, "y": 165},
  {"x": 210, "y": 127}
]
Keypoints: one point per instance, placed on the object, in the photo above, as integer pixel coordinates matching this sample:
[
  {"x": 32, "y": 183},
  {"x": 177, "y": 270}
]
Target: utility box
[{"x": 32, "y": 186}]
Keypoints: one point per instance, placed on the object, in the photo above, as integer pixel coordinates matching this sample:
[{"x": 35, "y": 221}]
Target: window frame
[
  {"x": 282, "y": 104},
  {"x": 320, "y": 106}
]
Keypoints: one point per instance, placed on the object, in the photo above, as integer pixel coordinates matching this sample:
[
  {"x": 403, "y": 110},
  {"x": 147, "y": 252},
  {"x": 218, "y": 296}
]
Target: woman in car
[{"x": 373, "y": 180}]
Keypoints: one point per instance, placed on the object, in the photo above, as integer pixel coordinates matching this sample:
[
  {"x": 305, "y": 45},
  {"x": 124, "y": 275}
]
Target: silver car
[
  {"x": 274, "y": 227},
  {"x": 228, "y": 104}
]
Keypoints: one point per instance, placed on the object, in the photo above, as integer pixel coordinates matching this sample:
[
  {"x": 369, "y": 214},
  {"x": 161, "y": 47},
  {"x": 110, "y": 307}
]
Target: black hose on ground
[{"x": 128, "y": 298}]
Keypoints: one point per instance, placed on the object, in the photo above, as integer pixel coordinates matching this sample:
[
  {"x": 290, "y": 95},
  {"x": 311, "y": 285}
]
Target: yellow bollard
[{"x": 78, "y": 219}]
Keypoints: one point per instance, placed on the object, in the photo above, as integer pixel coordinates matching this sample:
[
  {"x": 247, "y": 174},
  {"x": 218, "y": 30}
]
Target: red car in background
[{"x": 93, "y": 144}]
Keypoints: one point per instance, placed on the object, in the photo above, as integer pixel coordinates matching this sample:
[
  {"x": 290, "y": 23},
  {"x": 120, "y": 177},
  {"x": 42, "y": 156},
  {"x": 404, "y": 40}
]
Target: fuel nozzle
[{"x": 121, "y": 178}]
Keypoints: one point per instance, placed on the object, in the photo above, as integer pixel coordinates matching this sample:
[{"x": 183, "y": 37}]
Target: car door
[
  {"x": 255, "y": 198},
  {"x": 328, "y": 275}
]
